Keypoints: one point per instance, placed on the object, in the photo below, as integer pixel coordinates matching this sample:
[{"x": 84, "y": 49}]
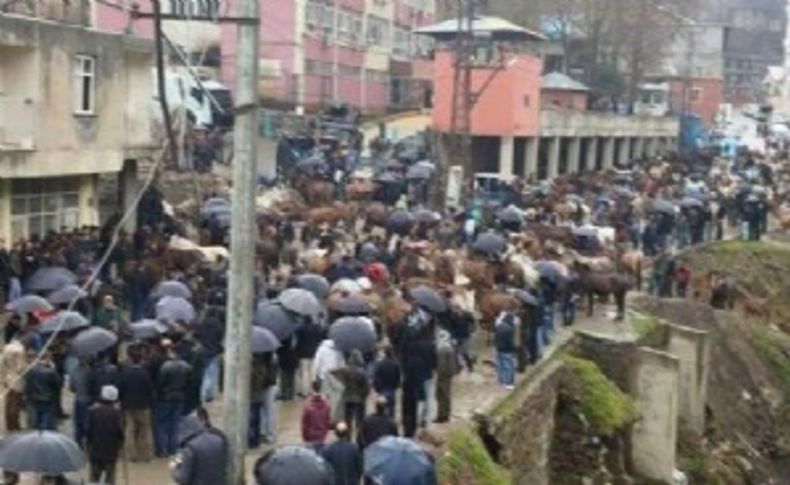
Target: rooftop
[{"x": 561, "y": 82}]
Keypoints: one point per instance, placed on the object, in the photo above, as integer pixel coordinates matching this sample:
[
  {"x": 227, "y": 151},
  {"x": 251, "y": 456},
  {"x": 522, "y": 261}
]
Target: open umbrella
[
  {"x": 417, "y": 172},
  {"x": 213, "y": 206},
  {"x": 511, "y": 215},
  {"x": 274, "y": 317},
  {"x": 400, "y": 222},
  {"x": 490, "y": 243},
  {"x": 387, "y": 178},
  {"x": 66, "y": 295},
  {"x": 369, "y": 252},
  {"x": 293, "y": 465},
  {"x": 426, "y": 216},
  {"x": 222, "y": 219},
  {"x": 429, "y": 299},
  {"x": 63, "y": 322},
  {"x": 314, "y": 283},
  {"x": 665, "y": 206},
  {"x": 691, "y": 202},
  {"x": 585, "y": 231},
  {"x": 172, "y": 288},
  {"x": 346, "y": 285},
  {"x": 92, "y": 341},
  {"x": 398, "y": 460},
  {"x": 300, "y": 301},
  {"x": 45, "y": 452},
  {"x": 145, "y": 329},
  {"x": 173, "y": 309},
  {"x": 50, "y": 278},
  {"x": 550, "y": 270},
  {"x": 353, "y": 304},
  {"x": 29, "y": 304},
  {"x": 263, "y": 340},
  {"x": 353, "y": 333}
]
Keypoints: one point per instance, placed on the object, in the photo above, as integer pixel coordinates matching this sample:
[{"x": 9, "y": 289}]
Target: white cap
[{"x": 109, "y": 393}]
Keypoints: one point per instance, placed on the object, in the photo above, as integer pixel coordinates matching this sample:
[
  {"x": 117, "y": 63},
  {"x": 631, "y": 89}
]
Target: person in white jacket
[{"x": 329, "y": 358}]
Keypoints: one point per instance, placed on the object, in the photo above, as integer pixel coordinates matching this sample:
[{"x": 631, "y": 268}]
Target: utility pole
[
  {"x": 160, "y": 79},
  {"x": 461, "y": 116},
  {"x": 238, "y": 356}
]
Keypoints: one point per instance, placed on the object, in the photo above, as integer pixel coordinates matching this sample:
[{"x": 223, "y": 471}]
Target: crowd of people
[{"x": 345, "y": 316}]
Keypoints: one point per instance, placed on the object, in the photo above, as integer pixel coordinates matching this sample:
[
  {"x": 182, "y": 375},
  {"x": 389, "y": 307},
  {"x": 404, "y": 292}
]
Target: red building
[
  {"x": 562, "y": 92},
  {"x": 701, "y": 96}
]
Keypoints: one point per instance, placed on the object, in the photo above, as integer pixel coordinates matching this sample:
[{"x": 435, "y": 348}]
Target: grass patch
[
  {"x": 643, "y": 323},
  {"x": 467, "y": 462},
  {"x": 770, "y": 349},
  {"x": 605, "y": 406}
]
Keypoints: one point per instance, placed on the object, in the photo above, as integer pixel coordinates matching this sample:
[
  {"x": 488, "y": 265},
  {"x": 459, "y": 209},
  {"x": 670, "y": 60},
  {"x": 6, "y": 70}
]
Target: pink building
[{"x": 562, "y": 92}]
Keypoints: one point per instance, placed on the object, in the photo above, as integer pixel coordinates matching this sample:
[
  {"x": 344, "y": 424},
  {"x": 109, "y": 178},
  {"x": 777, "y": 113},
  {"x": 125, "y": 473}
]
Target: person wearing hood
[
  {"x": 202, "y": 458},
  {"x": 104, "y": 436},
  {"x": 356, "y": 388},
  {"x": 329, "y": 358},
  {"x": 316, "y": 418}
]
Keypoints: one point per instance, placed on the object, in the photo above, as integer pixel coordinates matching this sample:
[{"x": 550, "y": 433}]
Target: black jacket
[
  {"x": 137, "y": 388},
  {"x": 172, "y": 381},
  {"x": 386, "y": 376},
  {"x": 376, "y": 426},
  {"x": 104, "y": 374},
  {"x": 308, "y": 338},
  {"x": 346, "y": 460},
  {"x": 202, "y": 459},
  {"x": 505, "y": 334},
  {"x": 42, "y": 384},
  {"x": 104, "y": 437}
]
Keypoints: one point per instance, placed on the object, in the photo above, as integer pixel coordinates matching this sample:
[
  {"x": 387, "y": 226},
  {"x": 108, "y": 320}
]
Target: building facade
[
  {"x": 73, "y": 107},
  {"x": 362, "y": 52}
]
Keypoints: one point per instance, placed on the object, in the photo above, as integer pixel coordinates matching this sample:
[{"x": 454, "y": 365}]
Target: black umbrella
[
  {"x": 213, "y": 206},
  {"x": 490, "y": 243},
  {"x": 294, "y": 465},
  {"x": 63, "y": 322},
  {"x": 314, "y": 283},
  {"x": 45, "y": 452},
  {"x": 29, "y": 304},
  {"x": 585, "y": 231},
  {"x": 665, "y": 206},
  {"x": 50, "y": 278},
  {"x": 398, "y": 460},
  {"x": 172, "y": 309},
  {"x": 400, "y": 222},
  {"x": 145, "y": 329},
  {"x": 263, "y": 340},
  {"x": 511, "y": 215},
  {"x": 274, "y": 317},
  {"x": 691, "y": 202},
  {"x": 369, "y": 252},
  {"x": 66, "y": 295},
  {"x": 550, "y": 270},
  {"x": 429, "y": 299},
  {"x": 387, "y": 178},
  {"x": 353, "y": 304},
  {"x": 92, "y": 341},
  {"x": 353, "y": 333},
  {"x": 172, "y": 288},
  {"x": 222, "y": 219},
  {"x": 418, "y": 172},
  {"x": 426, "y": 216},
  {"x": 300, "y": 301}
]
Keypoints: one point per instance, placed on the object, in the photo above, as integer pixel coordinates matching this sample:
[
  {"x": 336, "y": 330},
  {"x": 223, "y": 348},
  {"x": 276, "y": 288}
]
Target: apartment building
[
  {"x": 73, "y": 108},
  {"x": 363, "y": 52}
]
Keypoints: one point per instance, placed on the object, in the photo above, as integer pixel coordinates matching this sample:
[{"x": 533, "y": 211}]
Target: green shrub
[{"x": 467, "y": 462}]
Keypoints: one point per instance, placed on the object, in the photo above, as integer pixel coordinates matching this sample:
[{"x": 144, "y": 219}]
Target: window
[
  {"x": 84, "y": 84},
  {"x": 374, "y": 76},
  {"x": 349, "y": 28},
  {"x": 695, "y": 94},
  {"x": 194, "y": 8},
  {"x": 401, "y": 45},
  {"x": 349, "y": 71},
  {"x": 377, "y": 33},
  {"x": 42, "y": 205}
]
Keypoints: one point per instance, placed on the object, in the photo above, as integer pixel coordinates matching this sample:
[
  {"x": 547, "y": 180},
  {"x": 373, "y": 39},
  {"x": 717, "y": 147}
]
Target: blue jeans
[
  {"x": 268, "y": 414},
  {"x": 569, "y": 311},
  {"x": 254, "y": 428},
  {"x": 548, "y": 323},
  {"x": 505, "y": 368},
  {"x": 81, "y": 421},
  {"x": 41, "y": 416},
  {"x": 168, "y": 414},
  {"x": 210, "y": 382}
]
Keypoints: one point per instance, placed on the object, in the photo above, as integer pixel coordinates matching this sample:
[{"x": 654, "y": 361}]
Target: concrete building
[
  {"x": 562, "y": 92},
  {"x": 362, "y": 52},
  {"x": 73, "y": 107}
]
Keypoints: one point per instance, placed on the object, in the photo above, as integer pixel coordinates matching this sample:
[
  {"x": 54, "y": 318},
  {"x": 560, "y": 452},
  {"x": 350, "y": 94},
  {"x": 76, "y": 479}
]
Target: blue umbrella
[
  {"x": 551, "y": 270},
  {"x": 172, "y": 288},
  {"x": 294, "y": 465},
  {"x": 400, "y": 222},
  {"x": 511, "y": 215},
  {"x": 172, "y": 309},
  {"x": 263, "y": 340},
  {"x": 50, "y": 278},
  {"x": 148, "y": 328},
  {"x": 398, "y": 461},
  {"x": 353, "y": 333},
  {"x": 314, "y": 283},
  {"x": 664, "y": 206},
  {"x": 300, "y": 301},
  {"x": 45, "y": 452},
  {"x": 29, "y": 304},
  {"x": 92, "y": 341},
  {"x": 429, "y": 298},
  {"x": 274, "y": 317},
  {"x": 63, "y": 322},
  {"x": 66, "y": 295},
  {"x": 490, "y": 243}
]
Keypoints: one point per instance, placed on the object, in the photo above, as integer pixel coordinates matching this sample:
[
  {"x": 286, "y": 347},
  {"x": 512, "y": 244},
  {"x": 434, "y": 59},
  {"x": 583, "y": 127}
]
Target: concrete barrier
[{"x": 692, "y": 349}]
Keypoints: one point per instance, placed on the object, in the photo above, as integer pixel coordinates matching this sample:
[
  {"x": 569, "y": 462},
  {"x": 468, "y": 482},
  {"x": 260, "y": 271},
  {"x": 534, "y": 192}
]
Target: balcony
[{"x": 74, "y": 12}]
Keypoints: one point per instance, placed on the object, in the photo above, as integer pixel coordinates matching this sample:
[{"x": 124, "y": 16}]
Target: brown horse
[
  {"x": 632, "y": 262},
  {"x": 604, "y": 284}
]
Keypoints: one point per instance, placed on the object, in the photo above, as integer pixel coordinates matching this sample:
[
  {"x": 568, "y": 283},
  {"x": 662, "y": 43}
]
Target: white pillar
[
  {"x": 624, "y": 151},
  {"x": 128, "y": 187},
  {"x": 639, "y": 147},
  {"x": 574, "y": 155},
  {"x": 608, "y": 153},
  {"x": 5, "y": 211},
  {"x": 554, "y": 157},
  {"x": 506, "y": 150},
  {"x": 88, "y": 200},
  {"x": 592, "y": 155},
  {"x": 652, "y": 147},
  {"x": 531, "y": 151}
]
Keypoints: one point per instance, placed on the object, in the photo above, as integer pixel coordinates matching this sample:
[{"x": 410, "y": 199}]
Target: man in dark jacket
[
  {"x": 344, "y": 457},
  {"x": 505, "y": 343},
  {"x": 308, "y": 338},
  {"x": 172, "y": 382},
  {"x": 104, "y": 437},
  {"x": 377, "y": 425},
  {"x": 137, "y": 401},
  {"x": 203, "y": 456},
  {"x": 42, "y": 387},
  {"x": 387, "y": 379}
]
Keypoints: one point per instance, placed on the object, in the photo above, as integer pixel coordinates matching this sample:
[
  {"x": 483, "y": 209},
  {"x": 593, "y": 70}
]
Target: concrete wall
[
  {"x": 692, "y": 348},
  {"x": 589, "y": 123},
  {"x": 563, "y": 99},
  {"x": 64, "y": 143}
]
